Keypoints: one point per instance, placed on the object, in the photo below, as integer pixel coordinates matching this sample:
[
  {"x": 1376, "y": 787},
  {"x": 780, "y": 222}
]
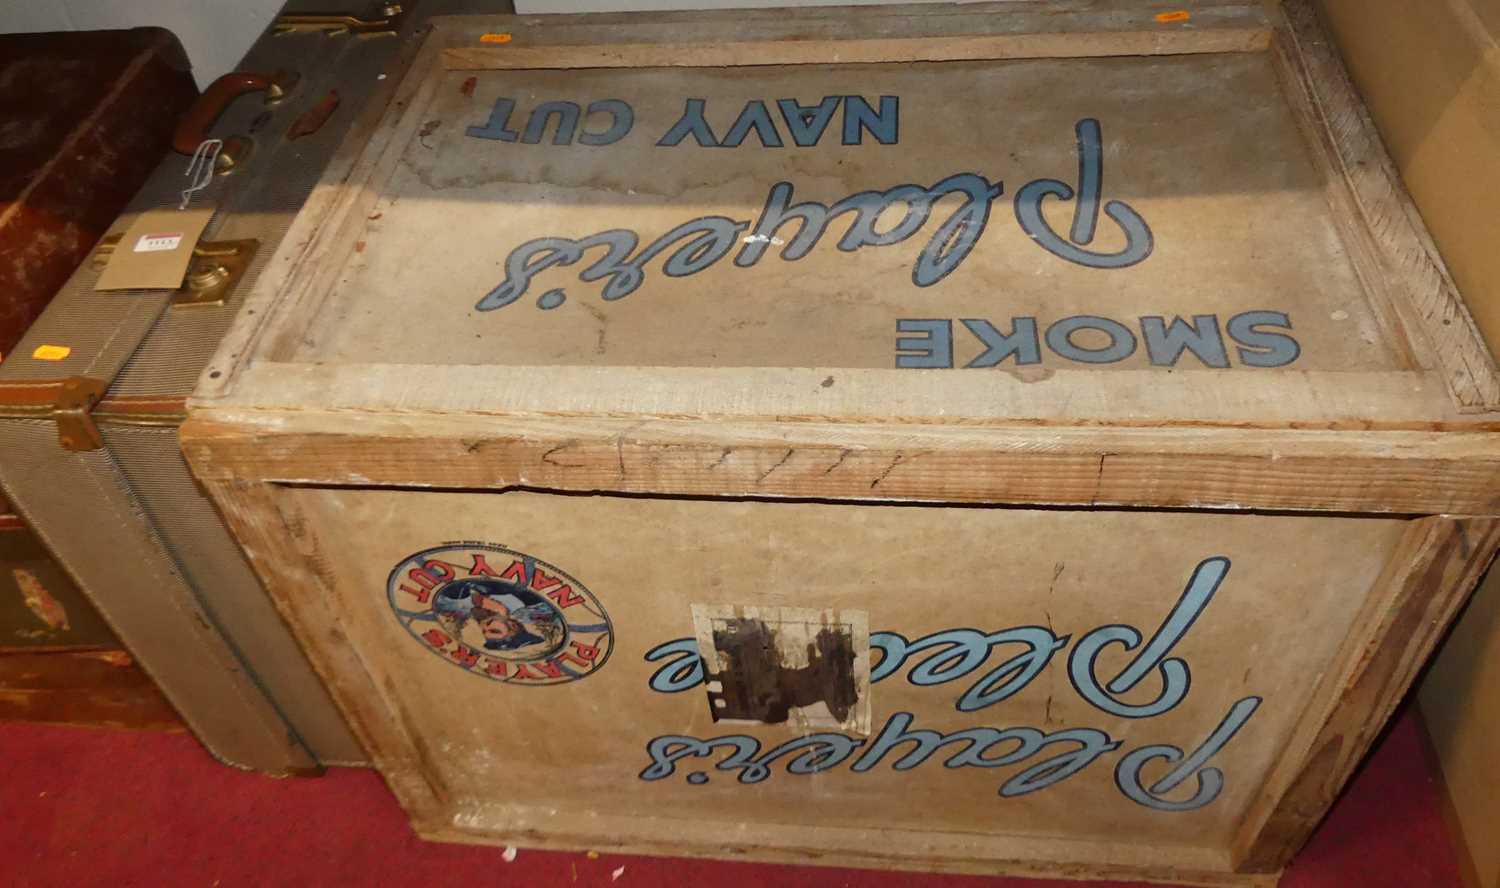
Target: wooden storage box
[{"x": 1035, "y": 437}]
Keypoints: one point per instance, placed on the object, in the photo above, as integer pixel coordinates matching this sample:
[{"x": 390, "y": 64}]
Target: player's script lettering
[
  {"x": 1115, "y": 668},
  {"x": 952, "y": 213}
]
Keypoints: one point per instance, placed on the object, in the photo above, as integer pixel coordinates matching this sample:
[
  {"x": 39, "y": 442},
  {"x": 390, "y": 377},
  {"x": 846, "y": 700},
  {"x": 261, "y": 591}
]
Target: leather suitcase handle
[{"x": 194, "y": 126}]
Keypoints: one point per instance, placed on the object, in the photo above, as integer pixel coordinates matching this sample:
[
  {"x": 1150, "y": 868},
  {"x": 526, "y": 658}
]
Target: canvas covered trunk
[{"x": 92, "y": 393}]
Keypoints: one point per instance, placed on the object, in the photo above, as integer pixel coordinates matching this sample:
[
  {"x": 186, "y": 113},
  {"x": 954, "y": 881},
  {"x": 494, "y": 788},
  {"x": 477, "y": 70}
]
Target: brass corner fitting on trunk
[
  {"x": 76, "y": 429},
  {"x": 68, "y": 402}
]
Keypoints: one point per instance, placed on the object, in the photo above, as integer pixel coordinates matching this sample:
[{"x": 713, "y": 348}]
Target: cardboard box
[{"x": 1431, "y": 76}]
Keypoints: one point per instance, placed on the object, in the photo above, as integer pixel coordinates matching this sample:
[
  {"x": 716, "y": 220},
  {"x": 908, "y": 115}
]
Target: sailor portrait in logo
[
  {"x": 500, "y": 614},
  {"x": 509, "y": 617}
]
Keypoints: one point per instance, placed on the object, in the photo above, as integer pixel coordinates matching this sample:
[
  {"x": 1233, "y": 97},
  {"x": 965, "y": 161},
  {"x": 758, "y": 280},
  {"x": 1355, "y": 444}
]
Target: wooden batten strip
[
  {"x": 99, "y": 688},
  {"x": 1006, "y": 31},
  {"x": 1394, "y": 472},
  {"x": 677, "y": 17},
  {"x": 1425, "y": 581},
  {"x": 1267, "y": 399},
  {"x": 1400, "y": 264},
  {"x": 1015, "y": 855},
  {"x": 263, "y": 526}
]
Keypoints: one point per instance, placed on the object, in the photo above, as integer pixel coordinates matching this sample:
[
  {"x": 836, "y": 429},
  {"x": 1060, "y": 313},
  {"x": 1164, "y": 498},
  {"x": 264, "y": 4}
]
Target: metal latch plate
[{"x": 212, "y": 274}]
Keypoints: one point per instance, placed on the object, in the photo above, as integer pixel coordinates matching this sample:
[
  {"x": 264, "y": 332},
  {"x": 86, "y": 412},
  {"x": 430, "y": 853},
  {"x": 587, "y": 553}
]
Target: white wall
[{"x": 215, "y": 33}]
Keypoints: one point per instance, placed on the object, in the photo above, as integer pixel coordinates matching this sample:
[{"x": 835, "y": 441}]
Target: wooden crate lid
[{"x": 1034, "y": 213}]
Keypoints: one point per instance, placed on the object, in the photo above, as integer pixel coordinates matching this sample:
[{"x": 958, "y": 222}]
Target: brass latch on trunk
[
  {"x": 385, "y": 19},
  {"x": 215, "y": 268}
]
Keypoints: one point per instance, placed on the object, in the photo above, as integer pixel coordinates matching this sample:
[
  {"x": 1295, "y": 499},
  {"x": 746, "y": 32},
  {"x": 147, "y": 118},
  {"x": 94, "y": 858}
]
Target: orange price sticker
[
  {"x": 1173, "y": 17},
  {"x": 51, "y": 352},
  {"x": 494, "y": 38}
]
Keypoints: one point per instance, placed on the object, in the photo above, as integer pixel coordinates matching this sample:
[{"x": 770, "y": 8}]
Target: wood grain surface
[{"x": 431, "y": 363}]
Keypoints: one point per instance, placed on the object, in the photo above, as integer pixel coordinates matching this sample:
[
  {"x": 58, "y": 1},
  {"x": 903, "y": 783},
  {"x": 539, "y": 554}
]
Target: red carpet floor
[{"x": 83, "y": 807}]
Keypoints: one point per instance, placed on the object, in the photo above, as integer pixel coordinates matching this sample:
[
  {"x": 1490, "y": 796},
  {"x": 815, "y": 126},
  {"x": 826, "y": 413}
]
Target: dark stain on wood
[{"x": 759, "y": 686}]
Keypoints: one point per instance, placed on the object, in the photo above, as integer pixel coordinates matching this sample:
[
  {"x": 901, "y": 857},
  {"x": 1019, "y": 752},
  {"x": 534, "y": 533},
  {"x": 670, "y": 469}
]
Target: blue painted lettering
[
  {"x": 498, "y": 125},
  {"x": 958, "y": 652},
  {"x": 683, "y": 670},
  {"x": 1121, "y": 340},
  {"x": 1021, "y": 342},
  {"x": 1175, "y": 676},
  {"x": 622, "y": 120},
  {"x": 1210, "y": 780},
  {"x": 807, "y": 123},
  {"x": 817, "y": 753},
  {"x": 710, "y": 238},
  {"x": 1029, "y": 214},
  {"x": 756, "y": 117},
  {"x": 1166, "y": 343},
  {"x": 884, "y": 125},
  {"x": 934, "y": 349},
  {"x": 1048, "y": 758},
  {"x": 567, "y": 123},
  {"x": 567, "y": 114},
  {"x": 1259, "y": 348},
  {"x": 691, "y": 123}
]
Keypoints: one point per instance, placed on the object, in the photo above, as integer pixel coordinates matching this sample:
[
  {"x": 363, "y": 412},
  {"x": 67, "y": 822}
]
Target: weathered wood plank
[
  {"x": 87, "y": 688},
  {"x": 1293, "y": 399},
  {"x": 1425, "y": 582},
  {"x": 1001, "y": 31},
  {"x": 1401, "y": 472},
  {"x": 964, "y": 853},
  {"x": 1397, "y": 256},
  {"x": 282, "y": 551}
]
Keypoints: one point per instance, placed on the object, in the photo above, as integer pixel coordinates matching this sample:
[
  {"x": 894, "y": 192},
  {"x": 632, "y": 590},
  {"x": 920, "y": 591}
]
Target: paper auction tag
[{"x": 154, "y": 252}]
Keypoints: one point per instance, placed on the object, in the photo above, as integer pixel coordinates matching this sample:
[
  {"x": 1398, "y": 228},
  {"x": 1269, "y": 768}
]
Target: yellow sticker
[
  {"x": 494, "y": 38},
  {"x": 51, "y": 352},
  {"x": 1170, "y": 18}
]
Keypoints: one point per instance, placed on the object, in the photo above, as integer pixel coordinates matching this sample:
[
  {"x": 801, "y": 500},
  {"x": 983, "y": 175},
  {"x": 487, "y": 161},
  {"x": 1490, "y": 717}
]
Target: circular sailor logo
[{"x": 500, "y": 613}]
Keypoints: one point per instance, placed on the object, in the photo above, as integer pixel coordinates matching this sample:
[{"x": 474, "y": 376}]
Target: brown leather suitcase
[
  {"x": 84, "y": 118},
  {"x": 59, "y": 662},
  {"x": 41, "y": 608},
  {"x": 99, "y": 419}
]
